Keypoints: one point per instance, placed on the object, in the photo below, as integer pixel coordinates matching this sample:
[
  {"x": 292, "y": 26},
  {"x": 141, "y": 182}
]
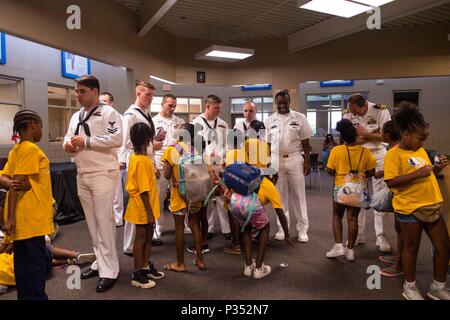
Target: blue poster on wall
[
  {"x": 337, "y": 83},
  {"x": 74, "y": 66},
  {"x": 2, "y": 48}
]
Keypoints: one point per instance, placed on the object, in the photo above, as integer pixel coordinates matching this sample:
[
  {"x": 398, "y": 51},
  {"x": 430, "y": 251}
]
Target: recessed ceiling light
[
  {"x": 340, "y": 8},
  {"x": 224, "y": 53}
]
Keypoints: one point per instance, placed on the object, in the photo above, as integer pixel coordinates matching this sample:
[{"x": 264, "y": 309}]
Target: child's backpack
[
  {"x": 382, "y": 200},
  {"x": 242, "y": 178},
  {"x": 248, "y": 209},
  {"x": 355, "y": 191},
  {"x": 194, "y": 182}
]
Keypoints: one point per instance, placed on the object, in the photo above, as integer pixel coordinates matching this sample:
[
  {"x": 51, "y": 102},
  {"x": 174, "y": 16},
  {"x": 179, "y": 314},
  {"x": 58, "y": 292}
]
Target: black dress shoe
[
  {"x": 90, "y": 273},
  {"x": 157, "y": 242},
  {"x": 104, "y": 284}
]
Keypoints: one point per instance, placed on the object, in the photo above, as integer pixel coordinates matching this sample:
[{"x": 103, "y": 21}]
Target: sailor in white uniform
[
  {"x": 369, "y": 118},
  {"x": 288, "y": 132}
]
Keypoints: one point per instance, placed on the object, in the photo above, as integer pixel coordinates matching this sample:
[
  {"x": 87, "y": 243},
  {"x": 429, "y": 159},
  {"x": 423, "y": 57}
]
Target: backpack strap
[
  {"x": 350, "y": 161},
  {"x": 83, "y": 121}
]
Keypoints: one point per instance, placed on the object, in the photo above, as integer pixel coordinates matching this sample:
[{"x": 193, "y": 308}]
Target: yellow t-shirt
[
  {"x": 141, "y": 178},
  {"x": 269, "y": 193},
  {"x": 7, "y": 277},
  {"x": 257, "y": 153},
  {"x": 235, "y": 155},
  {"x": 420, "y": 192},
  {"x": 34, "y": 208},
  {"x": 339, "y": 162},
  {"x": 172, "y": 157}
]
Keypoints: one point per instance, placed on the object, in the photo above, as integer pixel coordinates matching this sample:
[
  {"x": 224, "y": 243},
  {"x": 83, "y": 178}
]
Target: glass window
[
  {"x": 10, "y": 103},
  {"x": 62, "y": 105},
  {"x": 187, "y": 108},
  {"x": 264, "y": 108}
]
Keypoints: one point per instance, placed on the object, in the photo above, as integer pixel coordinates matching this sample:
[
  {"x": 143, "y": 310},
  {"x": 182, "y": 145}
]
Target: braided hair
[
  {"x": 393, "y": 133},
  {"x": 347, "y": 131},
  {"x": 22, "y": 118},
  {"x": 140, "y": 135},
  {"x": 409, "y": 118}
]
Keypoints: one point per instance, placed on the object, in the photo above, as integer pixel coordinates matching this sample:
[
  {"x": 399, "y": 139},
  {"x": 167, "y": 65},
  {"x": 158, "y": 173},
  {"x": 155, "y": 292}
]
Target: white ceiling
[{"x": 236, "y": 20}]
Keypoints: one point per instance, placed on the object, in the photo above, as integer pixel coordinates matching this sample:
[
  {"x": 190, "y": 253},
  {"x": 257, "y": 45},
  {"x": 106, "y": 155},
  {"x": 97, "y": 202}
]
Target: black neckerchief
[
  {"x": 147, "y": 117},
  {"x": 82, "y": 121}
]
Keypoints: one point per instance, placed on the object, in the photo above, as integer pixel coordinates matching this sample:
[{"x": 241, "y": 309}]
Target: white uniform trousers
[
  {"x": 118, "y": 202},
  {"x": 291, "y": 186},
  {"x": 377, "y": 184},
  {"x": 96, "y": 193},
  {"x": 217, "y": 206}
]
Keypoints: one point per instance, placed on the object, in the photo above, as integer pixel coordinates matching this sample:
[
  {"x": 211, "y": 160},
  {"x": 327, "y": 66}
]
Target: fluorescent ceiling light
[
  {"x": 224, "y": 53},
  {"x": 373, "y": 3},
  {"x": 340, "y": 8},
  {"x": 162, "y": 80}
]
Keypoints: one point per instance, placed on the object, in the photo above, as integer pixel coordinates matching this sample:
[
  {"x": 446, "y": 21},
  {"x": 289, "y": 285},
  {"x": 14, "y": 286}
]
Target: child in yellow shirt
[
  {"x": 29, "y": 214},
  {"x": 417, "y": 201},
  {"x": 179, "y": 208},
  {"x": 143, "y": 206},
  {"x": 343, "y": 159}
]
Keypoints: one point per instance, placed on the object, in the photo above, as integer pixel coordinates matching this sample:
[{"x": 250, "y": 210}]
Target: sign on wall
[
  {"x": 257, "y": 87},
  {"x": 2, "y": 48},
  {"x": 74, "y": 66}
]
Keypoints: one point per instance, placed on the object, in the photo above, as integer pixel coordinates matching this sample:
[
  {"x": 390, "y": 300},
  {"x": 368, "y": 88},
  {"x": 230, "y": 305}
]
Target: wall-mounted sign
[
  {"x": 337, "y": 83},
  {"x": 201, "y": 77},
  {"x": 2, "y": 48},
  {"x": 257, "y": 87},
  {"x": 74, "y": 66}
]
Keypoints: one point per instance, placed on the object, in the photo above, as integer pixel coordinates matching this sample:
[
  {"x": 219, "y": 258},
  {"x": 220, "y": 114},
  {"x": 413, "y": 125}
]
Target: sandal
[
  {"x": 174, "y": 267},
  {"x": 387, "y": 259},
  {"x": 391, "y": 272}
]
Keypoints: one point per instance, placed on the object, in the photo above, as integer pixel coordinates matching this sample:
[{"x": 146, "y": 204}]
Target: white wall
[
  {"x": 434, "y": 101},
  {"x": 37, "y": 66}
]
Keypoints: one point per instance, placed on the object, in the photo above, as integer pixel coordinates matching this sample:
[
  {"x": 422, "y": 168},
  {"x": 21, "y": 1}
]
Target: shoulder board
[
  {"x": 380, "y": 106},
  {"x": 345, "y": 111}
]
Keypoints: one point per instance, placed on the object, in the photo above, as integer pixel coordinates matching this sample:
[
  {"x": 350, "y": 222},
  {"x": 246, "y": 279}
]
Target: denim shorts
[{"x": 406, "y": 218}]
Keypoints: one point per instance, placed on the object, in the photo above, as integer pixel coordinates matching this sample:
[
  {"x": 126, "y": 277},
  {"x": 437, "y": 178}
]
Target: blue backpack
[{"x": 242, "y": 178}]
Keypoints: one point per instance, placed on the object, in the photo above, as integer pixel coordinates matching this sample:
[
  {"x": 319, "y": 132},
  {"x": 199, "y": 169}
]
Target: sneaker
[
  {"x": 303, "y": 238},
  {"x": 157, "y": 242},
  {"x": 187, "y": 231},
  {"x": 227, "y": 236},
  {"x": 382, "y": 244},
  {"x": 156, "y": 235},
  {"x": 438, "y": 293},
  {"x": 191, "y": 249},
  {"x": 83, "y": 258},
  {"x": 248, "y": 270},
  {"x": 279, "y": 236},
  {"x": 140, "y": 280},
  {"x": 336, "y": 251},
  {"x": 411, "y": 293},
  {"x": 261, "y": 272},
  {"x": 349, "y": 254},
  {"x": 152, "y": 273},
  {"x": 233, "y": 250},
  {"x": 387, "y": 259}
]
